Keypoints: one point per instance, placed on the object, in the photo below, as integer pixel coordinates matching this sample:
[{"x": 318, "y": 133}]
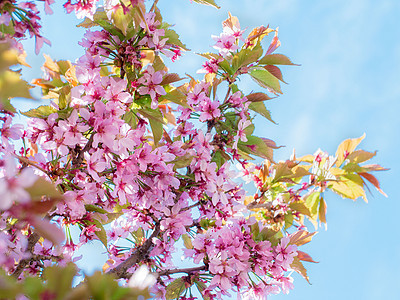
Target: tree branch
[
  {"x": 32, "y": 240},
  {"x": 140, "y": 254},
  {"x": 187, "y": 270},
  {"x": 76, "y": 161}
]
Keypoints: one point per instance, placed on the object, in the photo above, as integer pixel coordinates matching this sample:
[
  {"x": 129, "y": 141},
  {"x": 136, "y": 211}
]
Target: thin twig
[
  {"x": 183, "y": 270},
  {"x": 26, "y": 161}
]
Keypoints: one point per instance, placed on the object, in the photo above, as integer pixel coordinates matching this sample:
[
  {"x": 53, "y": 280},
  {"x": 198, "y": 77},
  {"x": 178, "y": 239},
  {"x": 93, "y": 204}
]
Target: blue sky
[{"x": 347, "y": 84}]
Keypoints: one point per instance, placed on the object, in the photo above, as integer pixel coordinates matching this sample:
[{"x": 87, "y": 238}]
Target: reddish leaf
[
  {"x": 375, "y": 167},
  {"x": 170, "y": 78},
  {"x": 274, "y": 70},
  {"x": 305, "y": 257},
  {"x": 271, "y": 143},
  {"x": 258, "y": 97},
  {"x": 372, "y": 179},
  {"x": 276, "y": 59}
]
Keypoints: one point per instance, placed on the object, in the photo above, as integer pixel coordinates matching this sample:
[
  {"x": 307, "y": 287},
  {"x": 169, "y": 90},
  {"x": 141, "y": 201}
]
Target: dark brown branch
[
  {"x": 140, "y": 254},
  {"x": 76, "y": 161},
  {"x": 186, "y": 270},
  {"x": 32, "y": 240}
]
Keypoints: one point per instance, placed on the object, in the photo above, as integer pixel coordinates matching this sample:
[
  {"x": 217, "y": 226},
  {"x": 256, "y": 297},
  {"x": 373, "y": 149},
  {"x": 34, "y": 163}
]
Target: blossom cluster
[{"x": 125, "y": 157}]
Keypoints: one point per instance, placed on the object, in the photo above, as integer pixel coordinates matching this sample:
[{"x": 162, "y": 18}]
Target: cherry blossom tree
[{"x": 146, "y": 163}]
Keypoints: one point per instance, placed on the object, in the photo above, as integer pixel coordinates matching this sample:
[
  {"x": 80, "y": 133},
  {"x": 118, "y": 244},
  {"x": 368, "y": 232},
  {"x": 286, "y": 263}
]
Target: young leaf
[
  {"x": 59, "y": 279},
  {"x": 298, "y": 266},
  {"x": 276, "y": 59},
  {"x": 346, "y": 148},
  {"x": 258, "y": 97},
  {"x": 372, "y": 179},
  {"x": 41, "y": 112},
  {"x": 300, "y": 207},
  {"x": 157, "y": 129},
  {"x": 301, "y": 237},
  {"x": 259, "y": 107},
  {"x": 322, "y": 210},
  {"x": 265, "y": 79},
  {"x": 360, "y": 156},
  {"x": 246, "y": 57},
  {"x": 43, "y": 188},
  {"x": 11, "y": 86},
  {"x": 173, "y": 38},
  {"x": 174, "y": 289},
  {"x": 187, "y": 241},
  {"x": 305, "y": 257},
  {"x": 348, "y": 188},
  {"x": 274, "y": 70},
  {"x": 312, "y": 202}
]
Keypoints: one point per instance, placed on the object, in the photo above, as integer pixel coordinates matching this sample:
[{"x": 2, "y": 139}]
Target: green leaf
[
  {"x": 42, "y": 112},
  {"x": 130, "y": 118},
  {"x": 11, "y": 86},
  {"x": 246, "y": 57},
  {"x": 220, "y": 157},
  {"x": 9, "y": 287},
  {"x": 201, "y": 286},
  {"x": 107, "y": 26},
  {"x": 122, "y": 20},
  {"x": 59, "y": 279},
  {"x": 175, "y": 289},
  {"x": 102, "y": 235},
  {"x": 33, "y": 287},
  {"x": 8, "y": 56},
  {"x": 312, "y": 202},
  {"x": 288, "y": 221},
  {"x": 349, "y": 186},
  {"x": 152, "y": 114},
  {"x": 259, "y": 107},
  {"x": 170, "y": 78},
  {"x": 99, "y": 15},
  {"x": 300, "y": 207},
  {"x": 208, "y": 2},
  {"x": 187, "y": 241},
  {"x": 157, "y": 129},
  {"x": 276, "y": 59},
  {"x": 105, "y": 287},
  {"x": 95, "y": 208},
  {"x": 174, "y": 95},
  {"x": 265, "y": 79},
  {"x": 42, "y": 187},
  {"x": 256, "y": 146},
  {"x": 182, "y": 161},
  {"x": 225, "y": 65},
  {"x": 173, "y": 38}
]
